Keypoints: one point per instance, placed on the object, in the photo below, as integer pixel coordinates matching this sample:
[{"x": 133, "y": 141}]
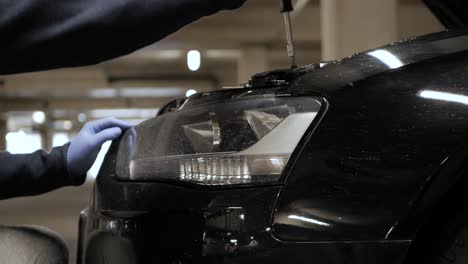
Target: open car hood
[{"x": 451, "y": 13}]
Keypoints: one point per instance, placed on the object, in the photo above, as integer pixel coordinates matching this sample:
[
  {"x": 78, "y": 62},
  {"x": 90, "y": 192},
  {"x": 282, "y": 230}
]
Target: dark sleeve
[
  {"x": 35, "y": 173},
  {"x": 46, "y": 34}
]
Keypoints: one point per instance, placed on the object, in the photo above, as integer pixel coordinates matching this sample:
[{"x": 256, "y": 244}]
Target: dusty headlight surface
[{"x": 237, "y": 141}]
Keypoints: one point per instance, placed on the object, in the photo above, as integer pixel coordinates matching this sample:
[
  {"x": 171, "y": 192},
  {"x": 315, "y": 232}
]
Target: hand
[{"x": 84, "y": 149}]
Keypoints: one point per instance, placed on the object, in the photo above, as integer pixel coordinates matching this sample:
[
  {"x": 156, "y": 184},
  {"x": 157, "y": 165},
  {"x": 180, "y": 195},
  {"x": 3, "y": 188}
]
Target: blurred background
[{"x": 46, "y": 109}]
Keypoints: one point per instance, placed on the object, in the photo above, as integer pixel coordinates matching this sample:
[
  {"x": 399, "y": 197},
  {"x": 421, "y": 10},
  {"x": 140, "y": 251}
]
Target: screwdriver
[{"x": 286, "y": 9}]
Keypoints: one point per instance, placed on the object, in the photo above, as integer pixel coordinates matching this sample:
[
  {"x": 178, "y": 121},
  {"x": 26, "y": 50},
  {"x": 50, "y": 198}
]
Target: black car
[{"x": 362, "y": 160}]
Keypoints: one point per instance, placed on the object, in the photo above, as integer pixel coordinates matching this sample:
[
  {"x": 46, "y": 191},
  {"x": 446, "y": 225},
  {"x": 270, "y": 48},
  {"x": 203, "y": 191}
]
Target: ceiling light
[
  {"x": 124, "y": 113},
  {"x": 82, "y": 117},
  {"x": 102, "y": 93},
  {"x": 67, "y": 124},
  {"x": 39, "y": 117},
  {"x": 151, "y": 92},
  {"x": 194, "y": 60}
]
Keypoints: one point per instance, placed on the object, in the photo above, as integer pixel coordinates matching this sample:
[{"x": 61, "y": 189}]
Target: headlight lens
[{"x": 238, "y": 141}]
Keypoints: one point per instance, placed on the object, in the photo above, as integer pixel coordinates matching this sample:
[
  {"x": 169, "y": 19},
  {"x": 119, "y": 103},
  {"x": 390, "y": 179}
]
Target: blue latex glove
[{"x": 85, "y": 147}]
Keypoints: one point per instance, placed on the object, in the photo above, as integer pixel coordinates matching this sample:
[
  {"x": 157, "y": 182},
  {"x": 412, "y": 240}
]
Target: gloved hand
[{"x": 85, "y": 147}]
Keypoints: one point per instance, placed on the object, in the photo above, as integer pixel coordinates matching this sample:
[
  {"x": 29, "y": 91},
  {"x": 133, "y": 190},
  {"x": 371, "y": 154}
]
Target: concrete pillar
[
  {"x": 253, "y": 59},
  {"x": 3, "y": 131},
  {"x": 46, "y": 137},
  {"x": 350, "y": 26},
  {"x": 47, "y": 132}
]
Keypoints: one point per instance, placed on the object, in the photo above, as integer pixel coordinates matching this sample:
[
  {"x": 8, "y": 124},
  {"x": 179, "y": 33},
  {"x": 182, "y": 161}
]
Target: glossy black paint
[
  {"x": 364, "y": 179},
  {"x": 376, "y": 148}
]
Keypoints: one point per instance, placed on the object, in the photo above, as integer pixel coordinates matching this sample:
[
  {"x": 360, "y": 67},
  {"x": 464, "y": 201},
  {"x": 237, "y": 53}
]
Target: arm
[
  {"x": 36, "y": 173},
  {"x": 46, "y": 34},
  {"x": 40, "y": 172}
]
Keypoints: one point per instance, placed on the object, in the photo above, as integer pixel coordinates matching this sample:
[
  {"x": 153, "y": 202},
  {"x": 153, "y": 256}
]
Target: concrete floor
[{"x": 58, "y": 211}]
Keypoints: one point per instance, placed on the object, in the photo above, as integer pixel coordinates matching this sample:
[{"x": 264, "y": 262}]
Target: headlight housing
[{"x": 245, "y": 139}]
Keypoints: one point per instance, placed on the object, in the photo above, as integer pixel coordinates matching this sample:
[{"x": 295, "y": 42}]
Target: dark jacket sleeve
[
  {"x": 46, "y": 34},
  {"x": 35, "y": 173}
]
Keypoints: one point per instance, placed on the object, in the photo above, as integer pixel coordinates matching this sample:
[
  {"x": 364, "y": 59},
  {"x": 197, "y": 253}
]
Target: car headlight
[{"x": 243, "y": 140}]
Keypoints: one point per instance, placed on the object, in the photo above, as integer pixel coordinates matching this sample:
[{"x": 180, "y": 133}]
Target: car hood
[
  {"x": 451, "y": 13},
  {"x": 344, "y": 73}
]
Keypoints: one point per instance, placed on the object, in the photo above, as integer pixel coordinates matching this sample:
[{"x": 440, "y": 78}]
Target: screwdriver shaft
[{"x": 290, "y": 39}]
